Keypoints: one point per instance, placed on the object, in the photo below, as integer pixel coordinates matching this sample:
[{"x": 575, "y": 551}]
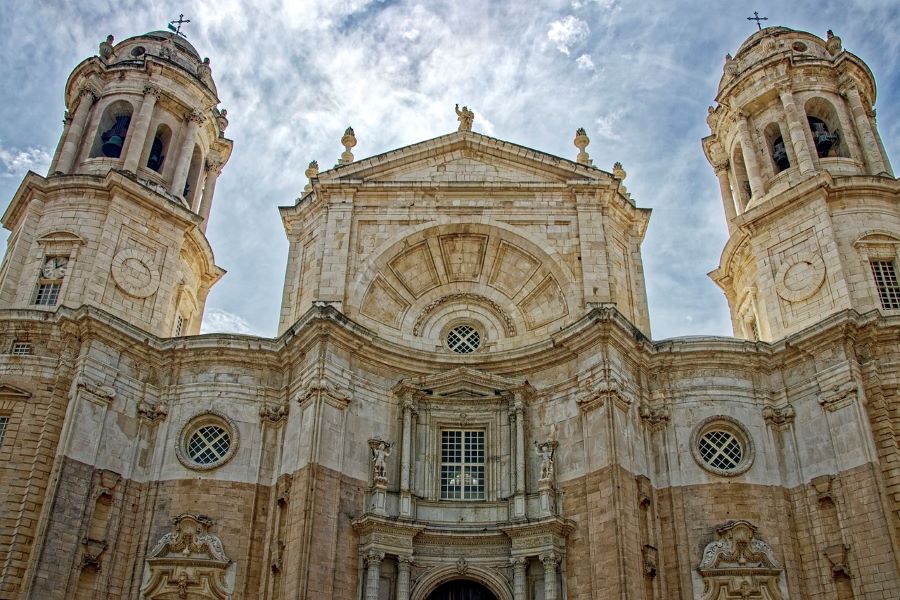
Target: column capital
[
  {"x": 404, "y": 560},
  {"x": 152, "y": 90},
  {"x": 373, "y": 558},
  {"x": 721, "y": 167},
  {"x": 213, "y": 166},
  {"x": 88, "y": 94},
  {"x": 551, "y": 560},
  {"x": 518, "y": 562},
  {"x": 195, "y": 117}
]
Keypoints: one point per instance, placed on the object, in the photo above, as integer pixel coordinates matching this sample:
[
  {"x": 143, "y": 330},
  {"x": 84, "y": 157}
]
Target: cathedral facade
[{"x": 464, "y": 401}]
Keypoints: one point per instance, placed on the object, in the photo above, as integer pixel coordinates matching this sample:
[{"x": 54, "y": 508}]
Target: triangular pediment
[
  {"x": 8, "y": 392},
  {"x": 464, "y": 157},
  {"x": 464, "y": 382}
]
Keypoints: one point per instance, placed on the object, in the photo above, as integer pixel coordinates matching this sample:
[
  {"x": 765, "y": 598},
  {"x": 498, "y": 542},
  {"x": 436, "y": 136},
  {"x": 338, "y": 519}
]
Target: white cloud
[
  {"x": 216, "y": 320},
  {"x": 15, "y": 162},
  {"x": 603, "y": 4},
  {"x": 567, "y": 32},
  {"x": 607, "y": 126},
  {"x": 585, "y": 62}
]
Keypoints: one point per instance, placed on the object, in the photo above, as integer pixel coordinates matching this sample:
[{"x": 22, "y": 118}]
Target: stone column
[
  {"x": 517, "y": 418},
  {"x": 139, "y": 129},
  {"x": 373, "y": 573},
  {"x": 727, "y": 194},
  {"x": 796, "y": 131},
  {"x": 869, "y": 144},
  {"x": 67, "y": 122},
  {"x": 403, "y": 565},
  {"x": 405, "y": 454},
  {"x": 213, "y": 168},
  {"x": 76, "y": 132},
  {"x": 179, "y": 175},
  {"x": 550, "y": 560},
  {"x": 519, "y": 590},
  {"x": 749, "y": 150}
]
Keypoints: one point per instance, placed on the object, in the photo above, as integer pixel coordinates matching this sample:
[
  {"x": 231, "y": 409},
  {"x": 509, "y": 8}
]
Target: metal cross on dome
[
  {"x": 757, "y": 18},
  {"x": 176, "y": 25}
]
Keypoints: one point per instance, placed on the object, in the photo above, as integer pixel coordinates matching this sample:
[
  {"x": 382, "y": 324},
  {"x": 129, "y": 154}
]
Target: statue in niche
[
  {"x": 381, "y": 450},
  {"x": 545, "y": 450},
  {"x": 465, "y": 117}
]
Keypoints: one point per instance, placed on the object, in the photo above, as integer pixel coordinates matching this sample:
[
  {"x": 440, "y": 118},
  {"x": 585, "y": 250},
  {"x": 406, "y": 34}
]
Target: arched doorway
[{"x": 461, "y": 589}]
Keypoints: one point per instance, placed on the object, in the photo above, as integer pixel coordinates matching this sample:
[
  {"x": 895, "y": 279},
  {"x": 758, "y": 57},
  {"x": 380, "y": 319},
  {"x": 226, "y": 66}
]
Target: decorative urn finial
[
  {"x": 312, "y": 171},
  {"x": 618, "y": 171},
  {"x": 348, "y": 141},
  {"x": 581, "y": 142},
  {"x": 833, "y": 43},
  {"x": 731, "y": 66}
]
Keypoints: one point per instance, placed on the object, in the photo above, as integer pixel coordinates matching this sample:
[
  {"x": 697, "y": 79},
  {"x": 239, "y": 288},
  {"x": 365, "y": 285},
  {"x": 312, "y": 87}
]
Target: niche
[{"x": 159, "y": 148}]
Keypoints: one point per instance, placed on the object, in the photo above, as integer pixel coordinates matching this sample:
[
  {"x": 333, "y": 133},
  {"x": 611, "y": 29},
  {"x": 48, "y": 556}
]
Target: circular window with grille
[
  {"x": 722, "y": 446},
  {"x": 207, "y": 441},
  {"x": 463, "y": 339}
]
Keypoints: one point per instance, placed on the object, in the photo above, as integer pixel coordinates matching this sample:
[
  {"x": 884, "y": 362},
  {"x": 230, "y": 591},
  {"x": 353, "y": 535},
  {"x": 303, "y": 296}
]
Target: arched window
[
  {"x": 825, "y": 129},
  {"x": 741, "y": 179},
  {"x": 159, "y": 148},
  {"x": 112, "y": 130},
  {"x": 777, "y": 149},
  {"x": 193, "y": 179}
]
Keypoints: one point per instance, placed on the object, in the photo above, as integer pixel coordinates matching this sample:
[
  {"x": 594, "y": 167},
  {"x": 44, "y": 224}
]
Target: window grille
[
  {"x": 3, "y": 423},
  {"x": 47, "y": 294},
  {"x": 721, "y": 449},
  {"x": 22, "y": 349},
  {"x": 208, "y": 444},
  {"x": 463, "y": 339},
  {"x": 179, "y": 325},
  {"x": 462, "y": 465},
  {"x": 886, "y": 282}
]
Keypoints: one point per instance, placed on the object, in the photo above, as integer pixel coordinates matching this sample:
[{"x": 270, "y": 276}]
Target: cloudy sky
[{"x": 293, "y": 74}]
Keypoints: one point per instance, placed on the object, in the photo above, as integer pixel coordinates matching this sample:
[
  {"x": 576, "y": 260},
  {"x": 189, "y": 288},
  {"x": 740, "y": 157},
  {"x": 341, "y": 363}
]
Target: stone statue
[
  {"x": 222, "y": 119},
  {"x": 465, "y": 117},
  {"x": 204, "y": 72},
  {"x": 545, "y": 451},
  {"x": 381, "y": 450},
  {"x": 106, "y": 48},
  {"x": 731, "y": 66}
]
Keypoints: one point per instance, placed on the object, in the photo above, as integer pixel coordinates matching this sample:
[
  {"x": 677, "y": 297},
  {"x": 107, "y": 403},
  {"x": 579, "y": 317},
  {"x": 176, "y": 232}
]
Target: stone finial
[
  {"x": 204, "y": 72},
  {"x": 618, "y": 172},
  {"x": 312, "y": 171},
  {"x": 465, "y": 117},
  {"x": 348, "y": 141},
  {"x": 581, "y": 142},
  {"x": 222, "y": 120},
  {"x": 731, "y": 66},
  {"x": 833, "y": 43},
  {"x": 106, "y": 48}
]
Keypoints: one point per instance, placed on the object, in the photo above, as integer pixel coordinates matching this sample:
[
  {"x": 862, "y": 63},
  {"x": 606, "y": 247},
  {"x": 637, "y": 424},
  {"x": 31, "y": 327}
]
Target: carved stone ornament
[
  {"x": 545, "y": 451},
  {"x": 324, "y": 389},
  {"x": 838, "y": 396},
  {"x": 739, "y": 565},
  {"x": 581, "y": 142},
  {"x": 135, "y": 273},
  {"x": 188, "y": 562},
  {"x": 607, "y": 386},
  {"x": 273, "y": 414},
  {"x": 96, "y": 393},
  {"x": 462, "y": 566},
  {"x": 800, "y": 277},
  {"x": 465, "y": 117},
  {"x": 654, "y": 417},
  {"x": 778, "y": 417},
  {"x": 381, "y": 450},
  {"x": 509, "y": 325},
  {"x": 152, "y": 412}
]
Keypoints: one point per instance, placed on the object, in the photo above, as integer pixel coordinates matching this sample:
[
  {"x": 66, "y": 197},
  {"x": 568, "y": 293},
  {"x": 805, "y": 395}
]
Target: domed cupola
[{"x": 803, "y": 176}]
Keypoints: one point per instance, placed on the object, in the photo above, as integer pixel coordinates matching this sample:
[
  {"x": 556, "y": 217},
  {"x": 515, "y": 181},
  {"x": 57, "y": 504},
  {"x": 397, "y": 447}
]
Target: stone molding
[
  {"x": 508, "y": 324},
  {"x": 339, "y": 398},
  {"x": 152, "y": 413},
  {"x": 739, "y": 564},
  {"x": 778, "y": 417},
  {"x": 839, "y": 396},
  {"x": 654, "y": 417},
  {"x": 92, "y": 391},
  {"x": 273, "y": 414}
]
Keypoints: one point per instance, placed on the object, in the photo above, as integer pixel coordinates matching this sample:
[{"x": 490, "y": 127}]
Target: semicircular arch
[{"x": 430, "y": 581}]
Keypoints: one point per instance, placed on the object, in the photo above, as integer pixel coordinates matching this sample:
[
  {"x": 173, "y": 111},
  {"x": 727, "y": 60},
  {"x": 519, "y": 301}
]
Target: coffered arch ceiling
[{"x": 414, "y": 284}]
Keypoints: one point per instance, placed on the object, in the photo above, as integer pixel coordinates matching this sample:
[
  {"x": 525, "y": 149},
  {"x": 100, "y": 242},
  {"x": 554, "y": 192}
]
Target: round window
[
  {"x": 463, "y": 339},
  {"x": 722, "y": 446},
  {"x": 207, "y": 441}
]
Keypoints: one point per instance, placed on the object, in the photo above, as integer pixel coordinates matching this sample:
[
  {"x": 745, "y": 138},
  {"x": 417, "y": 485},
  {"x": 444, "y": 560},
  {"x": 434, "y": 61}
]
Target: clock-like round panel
[{"x": 134, "y": 273}]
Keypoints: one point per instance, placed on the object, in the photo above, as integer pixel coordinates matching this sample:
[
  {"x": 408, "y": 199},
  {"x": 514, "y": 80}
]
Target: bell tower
[
  {"x": 809, "y": 195},
  {"x": 118, "y": 223}
]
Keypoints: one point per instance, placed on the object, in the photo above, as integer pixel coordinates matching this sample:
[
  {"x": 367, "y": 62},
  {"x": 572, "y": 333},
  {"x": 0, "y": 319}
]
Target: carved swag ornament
[
  {"x": 739, "y": 566},
  {"x": 188, "y": 562}
]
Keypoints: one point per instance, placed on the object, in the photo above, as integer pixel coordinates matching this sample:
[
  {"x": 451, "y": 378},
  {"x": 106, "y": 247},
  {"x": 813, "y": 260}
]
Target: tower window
[
  {"x": 50, "y": 280},
  {"x": 22, "y": 349},
  {"x": 159, "y": 148},
  {"x": 4, "y": 421},
  {"x": 779, "y": 154},
  {"x": 462, "y": 464},
  {"x": 822, "y": 137},
  {"x": 112, "y": 130},
  {"x": 886, "y": 281},
  {"x": 179, "y": 326}
]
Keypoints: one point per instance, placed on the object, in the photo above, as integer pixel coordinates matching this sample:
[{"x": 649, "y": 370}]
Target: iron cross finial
[
  {"x": 176, "y": 25},
  {"x": 757, "y": 18}
]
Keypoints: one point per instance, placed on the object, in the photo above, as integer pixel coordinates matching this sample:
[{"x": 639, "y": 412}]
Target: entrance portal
[{"x": 461, "y": 589}]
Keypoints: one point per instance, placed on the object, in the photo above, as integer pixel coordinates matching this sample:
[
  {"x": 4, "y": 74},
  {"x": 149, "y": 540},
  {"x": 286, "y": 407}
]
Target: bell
[
  {"x": 156, "y": 158},
  {"x": 779, "y": 154},
  {"x": 823, "y": 139},
  {"x": 112, "y": 147}
]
